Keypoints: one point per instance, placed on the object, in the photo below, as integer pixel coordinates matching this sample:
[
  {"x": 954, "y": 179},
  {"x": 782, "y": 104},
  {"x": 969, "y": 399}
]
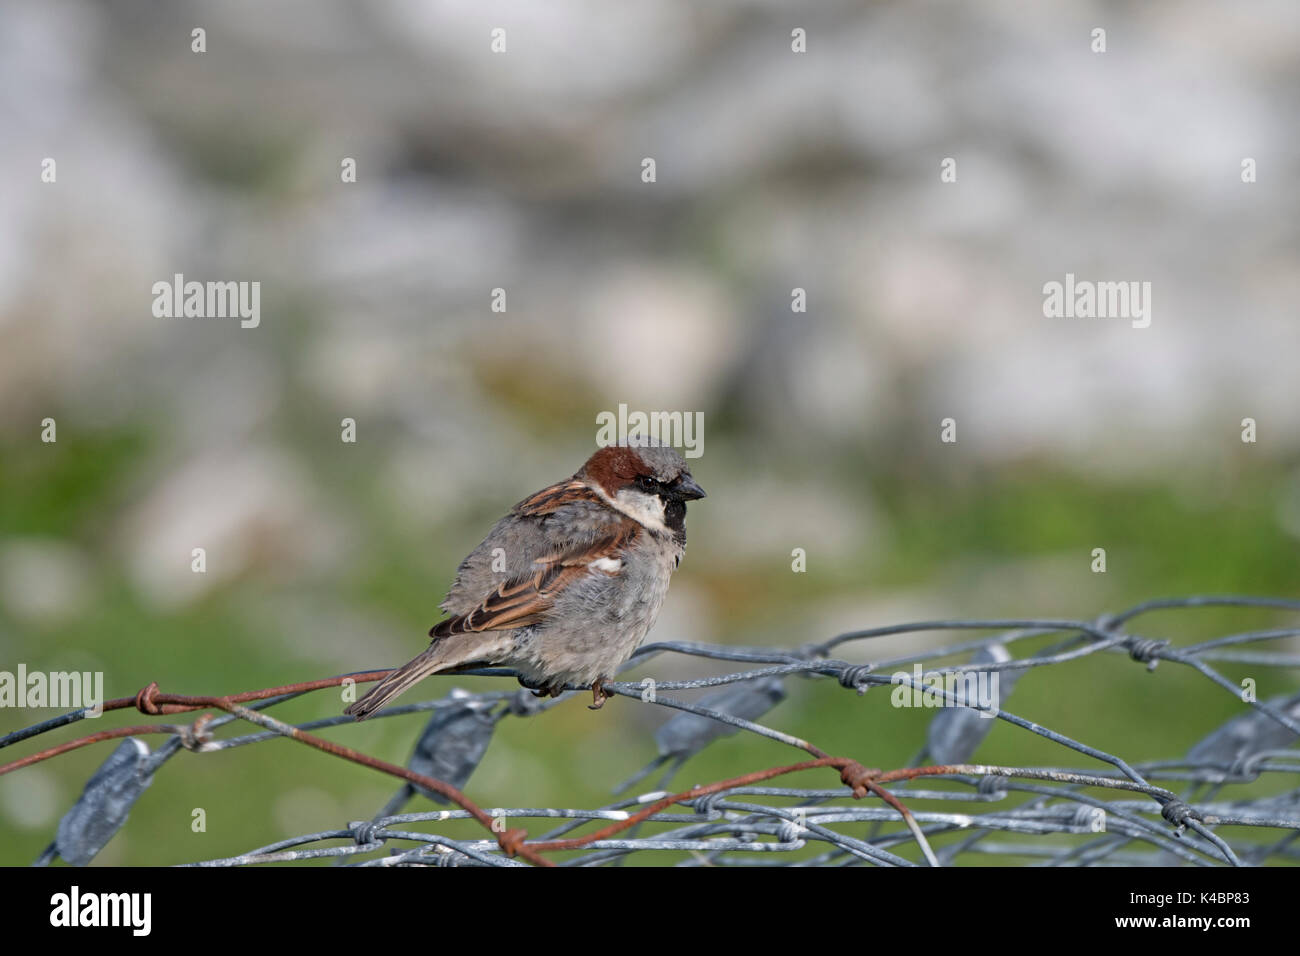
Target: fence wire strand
[{"x": 1112, "y": 812}]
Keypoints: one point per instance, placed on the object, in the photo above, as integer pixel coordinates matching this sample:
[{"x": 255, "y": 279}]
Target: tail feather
[{"x": 445, "y": 654}]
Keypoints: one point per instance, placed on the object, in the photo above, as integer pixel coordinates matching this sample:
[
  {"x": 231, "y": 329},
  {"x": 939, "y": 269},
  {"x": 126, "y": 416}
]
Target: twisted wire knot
[
  {"x": 1145, "y": 650},
  {"x": 447, "y": 857},
  {"x": 790, "y": 832},
  {"x": 511, "y": 841},
  {"x": 194, "y": 736},
  {"x": 854, "y": 678},
  {"x": 708, "y": 805},
  {"x": 1084, "y": 815},
  {"x": 1178, "y": 813},
  {"x": 856, "y": 777},
  {"x": 145, "y": 700}
]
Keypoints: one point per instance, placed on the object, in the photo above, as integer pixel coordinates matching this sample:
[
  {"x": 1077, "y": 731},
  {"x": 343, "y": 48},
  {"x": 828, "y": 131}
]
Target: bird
[{"x": 566, "y": 586}]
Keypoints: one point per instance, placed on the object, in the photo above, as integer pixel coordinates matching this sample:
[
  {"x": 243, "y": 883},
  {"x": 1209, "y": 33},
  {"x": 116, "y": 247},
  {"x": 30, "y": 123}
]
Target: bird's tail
[{"x": 450, "y": 652}]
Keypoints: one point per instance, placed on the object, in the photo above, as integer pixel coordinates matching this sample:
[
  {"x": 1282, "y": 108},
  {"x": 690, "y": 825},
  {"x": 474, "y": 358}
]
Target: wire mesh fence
[{"x": 1230, "y": 799}]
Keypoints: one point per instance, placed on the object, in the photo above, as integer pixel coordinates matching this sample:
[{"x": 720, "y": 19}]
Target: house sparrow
[{"x": 567, "y": 585}]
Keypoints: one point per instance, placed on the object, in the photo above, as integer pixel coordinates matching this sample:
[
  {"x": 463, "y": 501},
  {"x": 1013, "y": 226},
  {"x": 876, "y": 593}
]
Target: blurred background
[{"x": 522, "y": 170}]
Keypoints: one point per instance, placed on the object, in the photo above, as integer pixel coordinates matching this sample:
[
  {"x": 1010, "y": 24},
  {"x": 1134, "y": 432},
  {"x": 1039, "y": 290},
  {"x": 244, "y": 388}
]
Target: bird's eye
[{"x": 647, "y": 484}]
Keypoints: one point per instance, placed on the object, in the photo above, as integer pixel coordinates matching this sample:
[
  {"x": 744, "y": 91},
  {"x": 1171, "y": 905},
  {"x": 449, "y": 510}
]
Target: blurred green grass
[{"x": 1160, "y": 541}]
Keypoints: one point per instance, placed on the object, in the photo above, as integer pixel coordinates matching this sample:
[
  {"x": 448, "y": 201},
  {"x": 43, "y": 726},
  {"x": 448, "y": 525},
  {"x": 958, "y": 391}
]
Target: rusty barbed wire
[{"x": 1117, "y": 815}]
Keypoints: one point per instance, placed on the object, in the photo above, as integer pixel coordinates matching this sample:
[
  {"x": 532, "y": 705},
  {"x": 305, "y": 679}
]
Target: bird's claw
[{"x": 598, "y": 695}]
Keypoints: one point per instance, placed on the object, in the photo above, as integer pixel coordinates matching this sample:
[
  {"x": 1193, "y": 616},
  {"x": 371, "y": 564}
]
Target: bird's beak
[{"x": 688, "y": 490}]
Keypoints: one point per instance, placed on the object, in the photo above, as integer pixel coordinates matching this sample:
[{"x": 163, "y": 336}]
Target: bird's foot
[
  {"x": 538, "y": 690},
  {"x": 598, "y": 695},
  {"x": 544, "y": 690}
]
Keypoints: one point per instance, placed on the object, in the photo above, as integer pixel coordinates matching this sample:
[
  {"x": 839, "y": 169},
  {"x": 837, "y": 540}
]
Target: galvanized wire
[{"x": 1113, "y": 812}]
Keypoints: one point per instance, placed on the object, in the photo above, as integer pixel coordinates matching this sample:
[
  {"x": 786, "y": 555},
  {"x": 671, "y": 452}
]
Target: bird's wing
[
  {"x": 551, "y": 499},
  {"x": 524, "y": 600},
  {"x": 565, "y": 515}
]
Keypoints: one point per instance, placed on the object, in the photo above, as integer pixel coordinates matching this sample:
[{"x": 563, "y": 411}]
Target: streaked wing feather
[
  {"x": 525, "y": 601},
  {"x": 554, "y": 497}
]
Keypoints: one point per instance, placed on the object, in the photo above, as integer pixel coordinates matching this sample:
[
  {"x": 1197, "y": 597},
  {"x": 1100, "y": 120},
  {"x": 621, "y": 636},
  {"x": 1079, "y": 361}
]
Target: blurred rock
[
  {"x": 106, "y": 802},
  {"x": 955, "y": 733},
  {"x": 43, "y": 579},
  {"x": 453, "y": 743},
  {"x": 250, "y": 510},
  {"x": 685, "y": 733},
  {"x": 1247, "y": 734}
]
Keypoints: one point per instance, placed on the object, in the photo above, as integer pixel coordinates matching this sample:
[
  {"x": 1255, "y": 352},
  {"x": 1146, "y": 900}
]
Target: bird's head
[{"x": 648, "y": 482}]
